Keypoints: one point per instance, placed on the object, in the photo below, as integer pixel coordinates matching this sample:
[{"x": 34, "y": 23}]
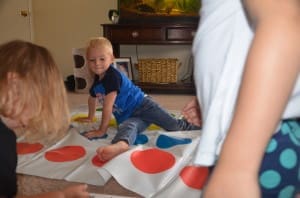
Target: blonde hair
[
  {"x": 99, "y": 42},
  {"x": 40, "y": 87}
]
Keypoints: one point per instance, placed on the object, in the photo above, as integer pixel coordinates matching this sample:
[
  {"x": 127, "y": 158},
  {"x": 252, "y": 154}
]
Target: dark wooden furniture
[{"x": 152, "y": 34}]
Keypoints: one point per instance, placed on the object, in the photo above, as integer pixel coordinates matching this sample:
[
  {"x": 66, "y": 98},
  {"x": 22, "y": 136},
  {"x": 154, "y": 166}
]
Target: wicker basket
[{"x": 158, "y": 70}]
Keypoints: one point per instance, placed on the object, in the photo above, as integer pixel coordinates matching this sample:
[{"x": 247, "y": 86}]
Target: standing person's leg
[
  {"x": 151, "y": 112},
  {"x": 279, "y": 174}
]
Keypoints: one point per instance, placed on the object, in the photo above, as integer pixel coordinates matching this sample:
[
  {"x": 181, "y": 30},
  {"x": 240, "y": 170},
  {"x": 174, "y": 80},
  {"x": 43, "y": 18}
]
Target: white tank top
[{"x": 220, "y": 48}]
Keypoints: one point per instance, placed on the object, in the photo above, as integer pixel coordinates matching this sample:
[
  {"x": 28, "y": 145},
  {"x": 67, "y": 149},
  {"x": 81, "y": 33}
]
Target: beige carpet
[{"x": 28, "y": 185}]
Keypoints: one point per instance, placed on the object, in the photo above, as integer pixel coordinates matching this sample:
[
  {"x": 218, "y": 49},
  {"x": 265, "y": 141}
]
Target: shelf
[{"x": 152, "y": 34}]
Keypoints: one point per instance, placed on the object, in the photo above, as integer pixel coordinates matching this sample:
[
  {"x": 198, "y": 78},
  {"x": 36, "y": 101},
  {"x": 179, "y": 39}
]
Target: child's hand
[
  {"x": 192, "y": 112},
  {"x": 94, "y": 133},
  {"x": 83, "y": 119},
  {"x": 77, "y": 191}
]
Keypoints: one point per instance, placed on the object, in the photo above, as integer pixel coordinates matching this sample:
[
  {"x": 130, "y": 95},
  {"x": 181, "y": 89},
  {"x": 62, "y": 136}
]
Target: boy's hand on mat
[{"x": 94, "y": 133}]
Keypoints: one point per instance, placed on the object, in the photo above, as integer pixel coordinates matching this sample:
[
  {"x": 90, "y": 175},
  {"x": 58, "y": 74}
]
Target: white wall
[{"x": 61, "y": 25}]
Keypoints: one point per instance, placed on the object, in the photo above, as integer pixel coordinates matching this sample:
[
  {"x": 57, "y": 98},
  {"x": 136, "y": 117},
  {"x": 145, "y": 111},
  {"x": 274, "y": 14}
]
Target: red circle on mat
[
  {"x": 28, "y": 148},
  {"x": 97, "y": 162},
  {"x": 65, "y": 154},
  {"x": 194, "y": 177},
  {"x": 152, "y": 160}
]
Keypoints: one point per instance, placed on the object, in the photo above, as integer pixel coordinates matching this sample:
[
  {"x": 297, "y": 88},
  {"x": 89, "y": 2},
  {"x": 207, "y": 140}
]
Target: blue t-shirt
[{"x": 129, "y": 96}]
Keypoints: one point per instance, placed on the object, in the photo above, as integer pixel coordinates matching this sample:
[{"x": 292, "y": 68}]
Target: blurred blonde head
[
  {"x": 99, "y": 42},
  {"x": 39, "y": 87}
]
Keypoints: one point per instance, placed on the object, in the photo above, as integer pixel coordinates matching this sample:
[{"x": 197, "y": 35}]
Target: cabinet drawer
[
  {"x": 136, "y": 35},
  {"x": 180, "y": 34}
]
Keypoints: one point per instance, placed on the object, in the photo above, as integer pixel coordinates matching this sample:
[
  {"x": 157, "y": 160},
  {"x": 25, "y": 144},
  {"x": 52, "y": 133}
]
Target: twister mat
[{"x": 157, "y": 165}]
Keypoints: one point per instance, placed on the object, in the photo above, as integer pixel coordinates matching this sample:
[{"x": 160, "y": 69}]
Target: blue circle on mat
[
  {"x": 141, "y": 139},
  {"x": 164, "y": 141},
  {"x": 94, "y": 138}
]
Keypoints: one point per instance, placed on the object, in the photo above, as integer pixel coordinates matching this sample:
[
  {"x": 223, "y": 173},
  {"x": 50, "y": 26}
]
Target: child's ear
[{"x": 112, "y": 58}]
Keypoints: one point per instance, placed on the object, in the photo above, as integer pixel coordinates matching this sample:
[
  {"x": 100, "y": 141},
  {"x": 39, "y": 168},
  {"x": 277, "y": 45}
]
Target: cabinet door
[
  {"x": 180, "y": 33},
  {"x": 132, "y": 35}
]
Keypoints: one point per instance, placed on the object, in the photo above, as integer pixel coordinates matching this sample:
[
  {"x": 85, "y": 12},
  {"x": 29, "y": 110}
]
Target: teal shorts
[{"x": 279, "y": 175}]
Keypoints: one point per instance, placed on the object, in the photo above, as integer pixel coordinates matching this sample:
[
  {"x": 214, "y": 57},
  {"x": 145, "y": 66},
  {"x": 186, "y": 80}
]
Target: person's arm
[
  {"x": 108, "y": 104},
  {"x": 76, "y": 191},
  {"x": 91, "y": 110},
  {"x": 272, "y": 66},
  {"x": 92, "y": 107}
]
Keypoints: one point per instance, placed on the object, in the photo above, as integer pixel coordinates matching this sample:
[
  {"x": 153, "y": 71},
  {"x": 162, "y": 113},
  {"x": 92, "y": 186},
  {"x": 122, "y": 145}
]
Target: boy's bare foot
[{"x": 106, "y": 153}]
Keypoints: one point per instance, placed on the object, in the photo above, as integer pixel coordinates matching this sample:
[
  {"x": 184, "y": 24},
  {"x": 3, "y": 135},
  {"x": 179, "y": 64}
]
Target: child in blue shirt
[{"x": 134, "y": 111}]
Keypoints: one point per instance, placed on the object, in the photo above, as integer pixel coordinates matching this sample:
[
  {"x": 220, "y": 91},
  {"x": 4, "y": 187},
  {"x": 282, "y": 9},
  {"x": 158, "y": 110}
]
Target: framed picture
[{"x": 125, "y": 66}]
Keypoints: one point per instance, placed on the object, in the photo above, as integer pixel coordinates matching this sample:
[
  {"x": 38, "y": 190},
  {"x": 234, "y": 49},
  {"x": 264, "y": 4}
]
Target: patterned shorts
[{"x": 279, "y": 175}]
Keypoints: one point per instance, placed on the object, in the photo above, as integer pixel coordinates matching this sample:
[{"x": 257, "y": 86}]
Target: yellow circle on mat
[
  {"x": 80, "y": 115},
  {"x": 112, "y": 122}
]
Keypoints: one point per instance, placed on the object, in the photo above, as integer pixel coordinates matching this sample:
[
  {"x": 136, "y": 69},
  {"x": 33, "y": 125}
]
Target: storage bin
[{"x": 163, "y": 70}]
